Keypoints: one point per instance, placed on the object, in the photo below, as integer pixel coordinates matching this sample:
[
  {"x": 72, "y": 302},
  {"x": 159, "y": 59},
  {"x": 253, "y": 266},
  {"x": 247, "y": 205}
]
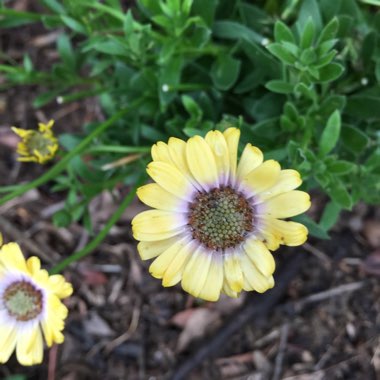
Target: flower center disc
[
  {"x": 37, "y": 141},
  {"x": 22, "y": 300},
  {"x": 220, "y": 218}
]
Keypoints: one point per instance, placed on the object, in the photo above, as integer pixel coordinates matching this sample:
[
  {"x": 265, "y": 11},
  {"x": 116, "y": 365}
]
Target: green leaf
[
  {"x": 28, "y": 64},
  {"x": 330, "y": 134},
  {"x": 62, "y": 218},
  {"x": 307, "y": 36},
  {"x": 128, "y": 24},
  {"x": 234, "y": 31},
  {"x": 54, "y": 6},
  {"x": 309, "y": 8},
  {"x": 332, "y": 103},
  {"x": 291, "y": 111},
  {"x": 330, "y": 215},
  {"x": 279, "y": 86},
  {"x": 282, "y": 53},
  {"x": 46, "y": 98},
  {"x": 329, "y": 31},
  {"x": 340, "y": 195},
  {"x": 373, "y": 161},
  {"x": 149, "y": 7},
  {"x": 10, "y": 18},
  {"x": 364, "y": 106},
  {"x": 261, "y": 59},
  {"x": 191, "y": 106},
  {"x": 314, "y": 229},
  {"x": 291, "y": 48},
  {"x": 375, "y": 3},
  {"x": 287, "y": 124},
  {"x": 73, "y": 24},
  {"x": 341, "y": 167},
  {"x": 325, "y": 47},
  {"x": 110, "y": 10},
  {"x": 377, "y": 71},
  {"x": 264, "y": 107},
  {"x": 308, "y": 56},
  {"x": 346, "y": 24},
  {"x": 110, "y": 46},
  {"x": 282, "y": 32},
  {"x": 16, "y": 377},
  {"x": 68, "y": 141},
  {"x": 66, "y": 51},
  {"x": 205, "y": 10},
  {"x": 163, "y": 21},
  {"x": 330, "y": 72},
  {"x": 306, "y": 91},
  {"x": 169, "y": 76},
  {"x": 225, "y": 72},
  {"x": 325, "y": 59},
  {"x": 354, "y": 139},
  {"x": 251, "y": 81}
]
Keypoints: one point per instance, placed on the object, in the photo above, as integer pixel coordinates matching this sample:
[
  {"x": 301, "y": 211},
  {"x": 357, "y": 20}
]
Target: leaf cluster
[{"x": 301, "y": 79}]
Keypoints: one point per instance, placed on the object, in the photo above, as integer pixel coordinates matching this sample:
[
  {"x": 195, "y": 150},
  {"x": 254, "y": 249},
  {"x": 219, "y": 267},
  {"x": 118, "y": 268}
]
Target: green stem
[
  {"x": 32, "y": 16},
  {"x": 101, "y": 235},
  {"x": 60, "y": 166},
  {"x": 118, "y": 149},
  {"x": 79, "y": 95},
  {"x": 7, "y": 189}
]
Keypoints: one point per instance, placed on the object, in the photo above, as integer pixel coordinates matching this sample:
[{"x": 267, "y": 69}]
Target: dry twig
[{"x": 281, "y": 352}]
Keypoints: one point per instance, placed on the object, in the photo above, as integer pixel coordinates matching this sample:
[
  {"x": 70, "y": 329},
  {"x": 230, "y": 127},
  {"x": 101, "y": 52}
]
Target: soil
[{"x": 124, "y": 325}]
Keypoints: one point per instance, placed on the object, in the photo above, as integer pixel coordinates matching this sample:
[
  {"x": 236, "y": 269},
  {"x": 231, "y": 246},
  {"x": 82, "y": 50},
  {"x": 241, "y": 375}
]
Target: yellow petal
[
  {"x": 196, "y": 272},
  {"x": 53, "y": 323},
  {"x": 140, "y": 235},
  {"x": 150, "y": 249},
  {"x": 250, "y": 159},
  {"x": 160, "y": 152},
  {"x": 155, "y": 196},
  {"x": 56, "y": 283},
  {"x": 288, "y": 180},
  {"x": 253, "y": 277},
  {"x": 162, "y": 262},
  {"x": 21, "y": 132},
  {"x": 232, "y": 136},
  {"x": 29, "y": 349},
  {"x": 158, "y": 221},
  {"x": 171, "y": 179},
  {"x": 177, "y": 151},
  {"x": 214, "y": 281},
  {"x": 201, "y": 162},
  {"x": 33, "y": 264},
  {"x": 41, "y": 277},
  {"x": 226, "y": 289},
  {"x": 233, "y": 272},
  {"x": 174, "y": 271},
  {"x": 260, "y": 256},
  {"x": 286, "y": 233},
  {"x": 11, "y": 257},
  {"x": 8, "y": 338},
  {"x": 46, "y": 128},
  {"x": 59, "y": 286},
  {"x": 287, "y": 205},
  {"x": 218, "y": 145},
  {"x": 263, "y": 177}
]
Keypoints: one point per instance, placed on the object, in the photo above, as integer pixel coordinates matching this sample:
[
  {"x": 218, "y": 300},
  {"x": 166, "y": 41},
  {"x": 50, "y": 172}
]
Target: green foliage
[{"x": 304, "y": 76}]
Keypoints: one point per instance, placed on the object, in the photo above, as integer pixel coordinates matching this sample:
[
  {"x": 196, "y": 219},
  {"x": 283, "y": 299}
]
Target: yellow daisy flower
[
  {"x": 215, "y": 220},
  {"x": 37, "y": 146},
  {"x": 29, "y": 306}
]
